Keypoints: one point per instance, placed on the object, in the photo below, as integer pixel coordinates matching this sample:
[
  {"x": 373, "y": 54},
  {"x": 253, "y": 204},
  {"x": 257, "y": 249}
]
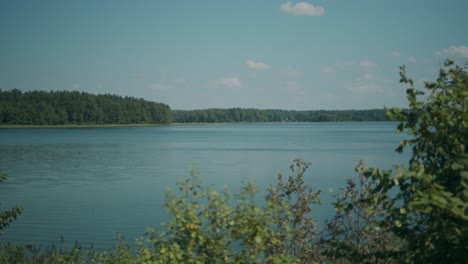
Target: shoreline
[
  {"x": 171, "y": 124},
  {"x": 105, "y": 126},
  {"x": 78, "y": 126}
]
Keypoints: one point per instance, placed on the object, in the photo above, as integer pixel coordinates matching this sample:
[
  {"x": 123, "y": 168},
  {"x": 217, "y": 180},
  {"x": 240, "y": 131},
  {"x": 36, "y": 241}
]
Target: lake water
[{"x": 87, "y": 184}]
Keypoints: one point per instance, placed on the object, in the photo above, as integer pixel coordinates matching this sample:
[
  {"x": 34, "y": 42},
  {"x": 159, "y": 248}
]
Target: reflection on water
[{"x": 87, "y": 184}]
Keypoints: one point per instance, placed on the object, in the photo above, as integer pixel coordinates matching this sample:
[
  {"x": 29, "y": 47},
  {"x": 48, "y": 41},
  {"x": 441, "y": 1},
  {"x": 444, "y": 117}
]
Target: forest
[
  {"x": 78, "y": 108},
  {"x": 216, "y": 115}
]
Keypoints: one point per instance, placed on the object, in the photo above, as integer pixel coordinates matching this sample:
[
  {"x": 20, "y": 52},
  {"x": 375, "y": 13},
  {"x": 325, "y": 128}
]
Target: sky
[{"x": 267, "y": 54}]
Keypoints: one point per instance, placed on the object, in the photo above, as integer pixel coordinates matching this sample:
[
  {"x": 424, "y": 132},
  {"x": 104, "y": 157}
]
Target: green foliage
[
  {"x": 64, "y": 107},
  {"x": 353, "y": 235},
  {"x": 293, "y": 200},
  {"x": 122, "y": 253},
  {"x": 6, "y": 217},
  {"x": 207, "y": 227},
  {"x": 274, "y": 115},
  {"x": 430, "y": 208}
]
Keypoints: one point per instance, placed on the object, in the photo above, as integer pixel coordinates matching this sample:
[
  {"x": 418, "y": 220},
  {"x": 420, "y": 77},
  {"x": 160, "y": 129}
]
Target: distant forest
[
  {"x": 65, "y": 107},
  {"x": 80, "y": 108},
  {"x": 256, "y": 115}
]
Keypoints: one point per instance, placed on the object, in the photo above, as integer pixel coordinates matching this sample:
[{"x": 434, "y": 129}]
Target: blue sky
[{"x": 300, "y": 55}]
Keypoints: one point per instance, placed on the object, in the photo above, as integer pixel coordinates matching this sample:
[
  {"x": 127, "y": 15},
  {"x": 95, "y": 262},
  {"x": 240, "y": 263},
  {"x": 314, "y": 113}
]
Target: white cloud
[
  {"x": 76, "y": 86},
  {"x": 158, "y": 87},
  {"x": 291, "y": 72},
  {"x": 367, "y": 88},
  {"x": 294, "y": 88},
  {"x": 231, "y": 82},
  {"x": 256, "y": 65},
  {"x": 302, "y": 9},
  {"x": 291, "y": 87},
  {"x": 412, "y": 59},
  {"x": 328, "y": 70},
  {"x": 454, "y": 51},
  {"x": 396, "y": 54},
  {"x": 367, "y": 65},
  {"x": 330, "y": 95},
  {"x": 368, "y": 76}
]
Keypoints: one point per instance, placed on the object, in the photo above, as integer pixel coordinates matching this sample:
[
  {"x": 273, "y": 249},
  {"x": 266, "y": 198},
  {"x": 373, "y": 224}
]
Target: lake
[{"x": 87, "y": 184}]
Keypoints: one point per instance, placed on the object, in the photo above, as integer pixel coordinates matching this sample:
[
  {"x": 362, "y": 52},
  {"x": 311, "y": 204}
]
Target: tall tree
[
  {"x": 61, "y": 108},
  {"x": 430, "y": 208}
]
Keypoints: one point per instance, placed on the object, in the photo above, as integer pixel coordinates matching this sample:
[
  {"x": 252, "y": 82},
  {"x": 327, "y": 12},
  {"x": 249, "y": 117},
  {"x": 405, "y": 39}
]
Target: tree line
[
  {"x": 217, "y": 115},
  {"x": 73, "y": 107},
  {"x": 80, "y": 108}
]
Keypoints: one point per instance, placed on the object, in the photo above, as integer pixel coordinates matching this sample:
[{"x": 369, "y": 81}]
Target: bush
[
  {"x": 430, "y": 209},
  {"x": 353, "y": 235},
  {"x": 211, "y": 227}
]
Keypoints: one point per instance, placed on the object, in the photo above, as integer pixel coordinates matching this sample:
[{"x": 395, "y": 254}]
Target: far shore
[
  {"x": 105, "y": 126},
  {"x": 171, "y": 124}
]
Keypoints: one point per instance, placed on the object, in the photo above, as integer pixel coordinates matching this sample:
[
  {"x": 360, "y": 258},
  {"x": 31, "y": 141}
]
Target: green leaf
[
  {"x": 457, "y": 166},
  {"x": 258, "y": 239},
  {"x": 398, "y": 223}
]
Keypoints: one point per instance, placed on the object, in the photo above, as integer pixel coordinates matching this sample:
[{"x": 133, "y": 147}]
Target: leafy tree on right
[{"x": 427, "y": 202}]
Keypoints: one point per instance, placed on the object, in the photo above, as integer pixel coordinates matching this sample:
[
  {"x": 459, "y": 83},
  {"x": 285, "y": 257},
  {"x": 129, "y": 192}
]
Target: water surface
[{"x": 87, "y": 184}]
